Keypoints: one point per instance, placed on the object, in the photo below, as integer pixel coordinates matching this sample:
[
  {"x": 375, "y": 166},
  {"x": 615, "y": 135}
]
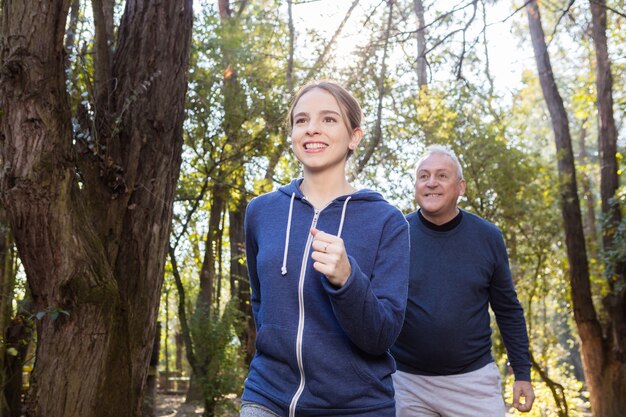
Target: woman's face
[{"x": 320, "y": 137}]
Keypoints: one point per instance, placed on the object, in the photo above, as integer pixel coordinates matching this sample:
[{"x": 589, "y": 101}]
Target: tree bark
[
  {"x": 377, "y": 136},
  {"x": 422, "y": 76},
  {"x": 240, "y": 285},
  {"x": 7, "y": 286},
  {"x": 607, "y": 132},
  {"x": 93, "y": 253},
  {"x": 18, "y": 336},
  {"x": 613, "y": 388},
  {"x": 588, "y": 195},
  {"x": 604, "y": 371}
]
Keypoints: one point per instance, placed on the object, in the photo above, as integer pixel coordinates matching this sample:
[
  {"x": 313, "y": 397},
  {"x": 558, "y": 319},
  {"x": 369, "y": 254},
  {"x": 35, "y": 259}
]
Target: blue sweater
[
  {"x": 455, "y": 276},
  {"x": 322, "y": 350}
]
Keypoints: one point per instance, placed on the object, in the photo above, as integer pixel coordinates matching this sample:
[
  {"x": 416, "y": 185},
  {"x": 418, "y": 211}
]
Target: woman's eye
[
  {"x": 299, "y": 121},
  {"x": 329, "y": 119}
]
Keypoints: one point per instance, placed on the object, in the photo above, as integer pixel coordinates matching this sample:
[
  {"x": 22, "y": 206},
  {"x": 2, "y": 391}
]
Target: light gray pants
[
  {"x": 477, "y": 393},
  {"x": 249, "y": 409}
]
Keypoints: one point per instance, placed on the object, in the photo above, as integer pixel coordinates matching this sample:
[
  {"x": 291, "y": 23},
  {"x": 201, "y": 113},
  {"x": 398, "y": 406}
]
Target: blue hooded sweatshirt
[{"x": 323, "y": 350}]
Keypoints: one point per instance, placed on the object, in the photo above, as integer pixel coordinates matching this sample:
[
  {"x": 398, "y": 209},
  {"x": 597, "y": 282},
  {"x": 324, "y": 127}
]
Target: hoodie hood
[
  {"x": 293, "y": 191},
  {"x": 365, "y": 194}
]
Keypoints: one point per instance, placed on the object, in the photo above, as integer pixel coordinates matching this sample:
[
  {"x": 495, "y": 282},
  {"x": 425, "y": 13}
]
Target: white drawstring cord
[
  {"x": 343, "y": 216},
  {"x": 283, "y": 270}
]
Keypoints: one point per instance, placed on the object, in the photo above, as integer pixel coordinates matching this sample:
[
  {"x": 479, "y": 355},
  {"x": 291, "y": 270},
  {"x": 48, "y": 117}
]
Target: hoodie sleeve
[
  {"x": 370, "y": 309},
  {"x": 252, "y": 250}
]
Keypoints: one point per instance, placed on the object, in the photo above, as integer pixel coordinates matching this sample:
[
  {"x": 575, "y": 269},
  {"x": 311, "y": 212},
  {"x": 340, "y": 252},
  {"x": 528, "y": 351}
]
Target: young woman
[{"x": 328, "y": 267}]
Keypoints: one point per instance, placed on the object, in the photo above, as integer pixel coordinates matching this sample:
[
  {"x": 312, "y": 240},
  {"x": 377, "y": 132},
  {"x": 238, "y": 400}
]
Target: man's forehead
[{"x": 437, "y": 161}]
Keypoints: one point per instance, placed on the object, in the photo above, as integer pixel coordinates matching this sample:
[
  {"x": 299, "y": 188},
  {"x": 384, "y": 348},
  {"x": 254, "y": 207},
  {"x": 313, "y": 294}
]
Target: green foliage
[{"x": 219, "y": 354}]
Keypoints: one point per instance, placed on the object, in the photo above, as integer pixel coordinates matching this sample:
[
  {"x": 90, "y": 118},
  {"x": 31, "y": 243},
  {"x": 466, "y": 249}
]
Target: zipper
[{"x": 299, "y": 336}]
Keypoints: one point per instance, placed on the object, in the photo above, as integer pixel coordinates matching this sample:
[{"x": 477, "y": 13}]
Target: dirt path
[{"x": 174, "y": 406}]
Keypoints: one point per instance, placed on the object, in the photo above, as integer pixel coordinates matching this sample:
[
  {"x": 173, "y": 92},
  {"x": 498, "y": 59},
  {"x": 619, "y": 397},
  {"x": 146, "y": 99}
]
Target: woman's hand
[{"x": 330, "y": 257}]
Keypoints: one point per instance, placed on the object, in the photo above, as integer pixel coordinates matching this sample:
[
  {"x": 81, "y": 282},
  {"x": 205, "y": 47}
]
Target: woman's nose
[{"x": 312, "y": 128}]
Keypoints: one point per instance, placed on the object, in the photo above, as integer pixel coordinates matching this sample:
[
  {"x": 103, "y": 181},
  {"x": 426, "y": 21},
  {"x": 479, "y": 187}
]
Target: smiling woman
[
  {"x": 320, "y": 296},
  {"x": 322, "y": 140}
]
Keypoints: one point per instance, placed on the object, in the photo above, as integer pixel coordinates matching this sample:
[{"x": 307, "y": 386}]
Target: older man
[{"x": 459, "y": 266}]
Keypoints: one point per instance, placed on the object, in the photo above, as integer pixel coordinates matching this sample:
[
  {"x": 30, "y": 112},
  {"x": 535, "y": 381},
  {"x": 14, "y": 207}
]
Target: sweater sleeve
[
  {"x": 252, "y": 250},
  {"x": 370, "y": 309},
  {"x": 509, "y": 313}
]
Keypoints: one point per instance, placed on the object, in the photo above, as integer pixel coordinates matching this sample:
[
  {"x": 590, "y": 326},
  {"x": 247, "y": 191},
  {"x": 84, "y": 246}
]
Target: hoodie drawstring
[
  {"x": 343, "y": 216},
  {"x": 283, "y": 270}
]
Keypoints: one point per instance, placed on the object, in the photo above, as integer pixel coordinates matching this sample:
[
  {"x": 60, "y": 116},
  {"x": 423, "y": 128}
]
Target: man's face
[{"x": 438, "y": 187}]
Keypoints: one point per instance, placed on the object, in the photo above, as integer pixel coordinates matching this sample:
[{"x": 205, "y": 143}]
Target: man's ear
[{"x": 462, "y": 186}]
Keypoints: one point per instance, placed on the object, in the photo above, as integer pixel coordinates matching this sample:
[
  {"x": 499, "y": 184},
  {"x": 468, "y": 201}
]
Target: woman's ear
[{"x": 357, "y": 135}]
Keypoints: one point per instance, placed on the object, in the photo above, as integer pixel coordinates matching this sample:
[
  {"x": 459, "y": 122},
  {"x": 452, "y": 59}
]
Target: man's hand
[{"x": 523, "y": 389}]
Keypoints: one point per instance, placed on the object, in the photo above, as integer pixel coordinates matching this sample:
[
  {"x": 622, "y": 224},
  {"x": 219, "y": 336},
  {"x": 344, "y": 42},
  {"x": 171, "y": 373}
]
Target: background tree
[
  {"x": 604, "y": 367},
  {"x": 90, "y": 202}
]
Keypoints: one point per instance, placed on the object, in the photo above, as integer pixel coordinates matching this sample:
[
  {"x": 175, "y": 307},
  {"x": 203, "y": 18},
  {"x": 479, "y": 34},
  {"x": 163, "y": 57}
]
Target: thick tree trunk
[
  {"x": 614, "y": 376},
  {"x": 605, "y": 373},
  {"x": 93, "y": 254}
]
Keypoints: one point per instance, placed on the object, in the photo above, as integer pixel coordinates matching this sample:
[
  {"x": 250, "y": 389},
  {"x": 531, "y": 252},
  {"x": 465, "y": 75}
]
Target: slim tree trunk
[
  {"x": 149, "y": 404},
  {"x": 377, "y": 136},
  {"x": 93, "y": 254},
  {"x": 240, "y": 285},
  {"x": 18, "y": 337},
  {"x": 7, "y": 285},
  {"x": 422, "y": 76},
  {"x": 604, "y": 371},
  {"x": 588, "y": 195},
  {"x": 607, "y": 133}
]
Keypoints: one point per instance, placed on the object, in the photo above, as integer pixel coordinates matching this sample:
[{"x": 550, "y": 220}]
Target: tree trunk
[
  {"x": 7, "y": 285},
  {"x": 607, "y": 133},
  {"x": 93, "y": 254},
  {"x": 377, "y": 137},
  {"x": 422, "y": 76},
  {"x": 240, "y": 285},
  {"x": 614, "y": 377},
  {"x": 588, "y": 195},
  {"x": 149, "y": 404},
  {"x": 604, "y": 372},
  {"x": 18, "y": 337}
]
